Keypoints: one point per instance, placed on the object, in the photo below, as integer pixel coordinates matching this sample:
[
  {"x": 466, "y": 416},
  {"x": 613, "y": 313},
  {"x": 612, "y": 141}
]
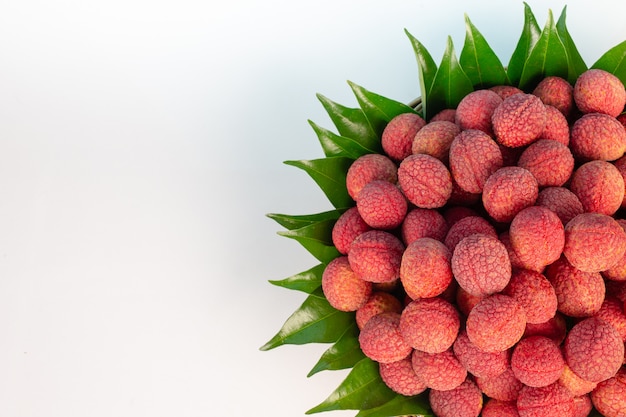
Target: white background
[{"x": 141, "y": 145}]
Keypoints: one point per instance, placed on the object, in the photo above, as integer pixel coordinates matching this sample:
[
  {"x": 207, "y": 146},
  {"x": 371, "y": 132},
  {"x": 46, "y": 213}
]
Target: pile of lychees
[{"x": 485, "y": 254}]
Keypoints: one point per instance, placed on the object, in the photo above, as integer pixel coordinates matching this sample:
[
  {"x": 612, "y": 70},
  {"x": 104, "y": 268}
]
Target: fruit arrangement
[{"x": 475, "y": 259}]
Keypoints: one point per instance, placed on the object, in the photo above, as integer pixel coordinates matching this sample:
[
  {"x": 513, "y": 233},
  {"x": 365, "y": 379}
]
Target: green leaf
[
  {"x": 345, "y": 353},
  {"x": 427, "y": 69},
  {"x": 479, "y": 61},
  {"x": 363, "y": 388},
  {"x": 530, "y": 35},
  {"x": 379, "y": 110},
  {"x": 301, "y": 220},
  {"x": 315, "y": 321},
  {"x": 330, "y": 175},
  {"x": 307, "y": 281},
  {"x": 351, "y": 123},
  {"x": 614, "y": 61},
  {"x": 576, "y": 64},
  {"x": 317, "y": 239},
  {"x": 548, "y": 57},
  {"x": 451, "y": 83},
  {"x": 400, "y": 406},
  {"x": 336, "y": 145}
]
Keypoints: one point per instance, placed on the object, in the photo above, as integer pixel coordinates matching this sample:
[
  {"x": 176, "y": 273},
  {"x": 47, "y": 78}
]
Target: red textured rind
[
  {"x": 504, "y": 387},
  {"x": 556, "y": 91},
  {"x": 561, "y": 201},
  {"x": 376, "y": 255},
  {"x": 401, "y": 378},
  {"x": 343, "y": 289},
  {"x": 382, "y": 205},
  {"x": 367, "y": 168},
  {"x": 550, "y": 162},
  {"x": 594, "y": 242},
  {"x": 496, "y": 408},
  {"x": 537, "y": 236},
  {"x": 609, "y": 397},
  {"x": 474, "y": 111},
  {"x": 519, "y": 120},
  {"x": 507, "y": 191},
  {"x": 597, "y": 136},
  {"x": 378, "y": 302},
  {"x": 474, "y": 156},
  {"x": 597, "y": 90},
  {"x": 425, "y": 181},
  {"x": 397, "y": 137},
  {"x": 430, "y": 325},
  {"x": 425, "y": 269},
  {"x": 537, "y": 361},
  {"x": 477, "y": 362},
  {"x": 439, "y": 371},
  {"x": 435, "y": 139},
  {"x": 420, "y": 223},
  {"x": 551, "y": 401},
  {"x": 594, "y": 350},
  {"x": 534, "y": 293},
  {"x": 481, "y": 265},
  {"x": 496, "y": 323},
  {"x": 466, "y": 400},
  {"x": 381, "y": 341},
  {"x": 347, "y": 227},
  {"x": 599, "y": 186}
]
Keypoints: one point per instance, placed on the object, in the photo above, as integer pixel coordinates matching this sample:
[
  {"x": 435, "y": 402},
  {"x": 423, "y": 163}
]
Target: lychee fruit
[
  {"x": 496, "y": 323},
  {"x": 474, "y": 156},
  {"x": 474, "y": 111},
  {"x": 378, "y": 302},
  {"x": 609, "y": 397},
  {"x": 440, "y": 371},
  {"x": 507, "y": 191},
  {"x": 556, "y": 91},
  {"x": 534, "y": 293},
  {"x": 430, "y": 325},
  {"x": 549, "y": 401},
  {"x": 401, "y": 378},
  {"x": 594, "y": 242},
  {"x": 478, "y": 362},
  {"x": 599, "y": 186},
  {"x": 425, "y": 181},
  {"x": 599, "y": 91},
  {"x": 466, "y": 400},
  {"x": 467, "y": 226},
  {"x": 420, "y": 223},
  {"x": 480, "y": 264},
  {"x": 519, "y": 120},
  {"x": 382, "y": 205},
  {"x": 425, "y": 269},
  {"x": 347, "y": 227},
  {"x": 343, "y": 289},
  {"x": 381, "y": 340},
  {"x": 597, "y": 136},
  {"x": 550, "y": 162},
  {"x": 435, "y": 139},
  {"x": 537, "y": 361},
  {"x": 376, "y": 256},
  {"x": 561, "y": 201},
  {"x": 367, "y": 168},
  {"x": 594, "y": 350},
  {"x": 496, "y": 408},
  {"x": 397, "y": 137},
  {"x": 503, "y": 387}
]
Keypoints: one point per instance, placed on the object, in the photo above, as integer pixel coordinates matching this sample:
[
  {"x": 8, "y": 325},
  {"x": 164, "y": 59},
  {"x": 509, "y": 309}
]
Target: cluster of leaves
[{"x": 538, "y": 53}]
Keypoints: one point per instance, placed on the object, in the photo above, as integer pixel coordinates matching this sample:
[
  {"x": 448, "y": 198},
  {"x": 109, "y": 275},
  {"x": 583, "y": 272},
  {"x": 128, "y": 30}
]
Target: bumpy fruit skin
[
  {"x": 381, "y": 341},
  {"x": 507, "y": 191},
  {"x": 343, "y": 289},
  {"x": 612, "y": 311},
  {"x": 556, "y": 91},
  {"x": 582, "y": 406},
  {"x": 557, "y": 126},
  {"x": 594, "y": 242},
  {"x": 550, "y": 162},
  {"x": 378, "y": 302},
  {"x": 555, "y": 328},
  {"x": 578, "y": 293},
  {"x": 447, "y": 115},
  {"x": 599, "y": 186},
  {"x": 480, "y": 264},
  {"x": 435, "y": 139},
  {"x": 425, "y": 269},
  {"x": 420, "y": 223},
  {"x": 430, "y": 325},
  {"x": 496, "y": 323},
  {"x": 440, "y": 371},
  {"x": 597, "y": 136},
  {"x": 367, "y": 168},
  {"x": 575, "y": 384},
  {"x": 550, "y": 401},
  {"x": 561, "y": 201},
  {"x": 505, "y": 91},
  {"x": 465, "y": 301},
  {"x": 594, "y": 350},
  {"x": 376, "y": 256},
  {"x": 519, "y": 120},
  {"x": 466, "y": 400},
  {"x": 503, "y": 387},
  {"x": 505, "y": 238},
  {"x": 425, "y": 181},
  {"x": 496, "y": 408},
  {"x": 477, "y": 362},
  {"x": 609, "y": 397},
  {"x": 401, "y": 378},
  {"x": 347, "y": 227},
  {"x": 397, "y": 137},
  {"x": 537, "y": 361},
  {"x": 475, "y": 109},
  {"x": 620, "y": 164},
  {"x": 474, "y": 156},
  {"x": 534, "y": 293},
  {"x": 382, "y": 205},
  {"x": 537, "y": 236},
  {"x": 467, "y": 226},
  {"x": 599, "y": 91}
]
